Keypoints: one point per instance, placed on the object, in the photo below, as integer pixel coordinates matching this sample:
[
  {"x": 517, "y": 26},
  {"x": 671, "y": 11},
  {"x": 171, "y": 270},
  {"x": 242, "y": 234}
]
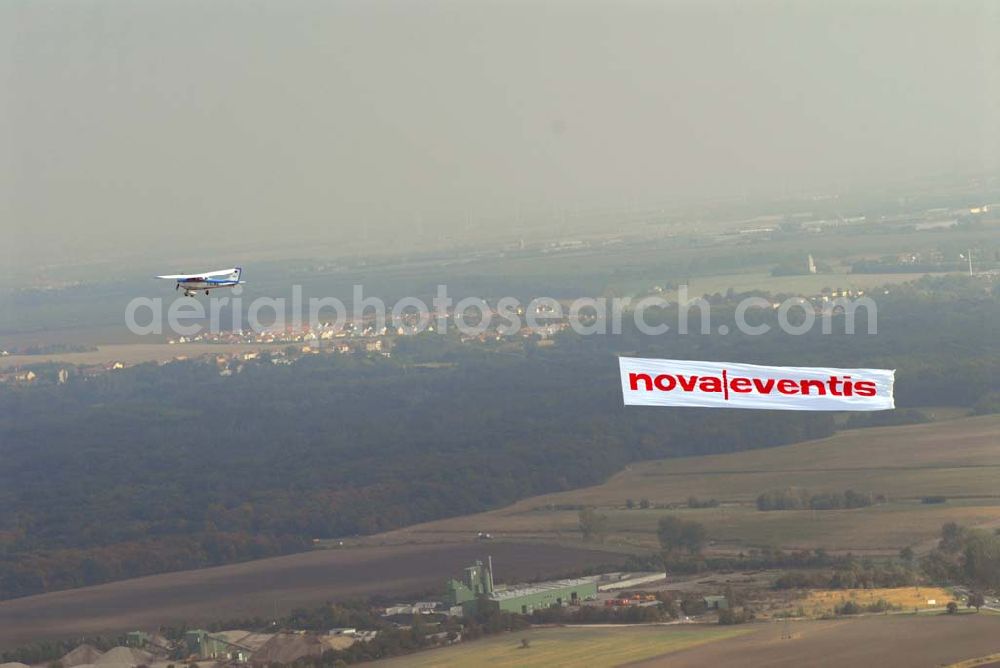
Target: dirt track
[{"x": 268, "y": 585}]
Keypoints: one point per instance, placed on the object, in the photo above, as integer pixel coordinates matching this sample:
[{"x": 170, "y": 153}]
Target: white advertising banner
[{"x": 657, "y": 382}]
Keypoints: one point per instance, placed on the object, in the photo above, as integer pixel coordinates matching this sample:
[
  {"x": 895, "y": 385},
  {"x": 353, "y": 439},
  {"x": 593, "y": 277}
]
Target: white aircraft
[{"x": 211, "y": 280}]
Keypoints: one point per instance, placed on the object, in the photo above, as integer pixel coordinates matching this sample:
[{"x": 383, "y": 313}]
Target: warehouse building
[
  {"x": 526, "y": 598},
  {"x": 205, "y": 645},
  {"x": 475, "y": 592},
  {"x": 716, "y": 602}
]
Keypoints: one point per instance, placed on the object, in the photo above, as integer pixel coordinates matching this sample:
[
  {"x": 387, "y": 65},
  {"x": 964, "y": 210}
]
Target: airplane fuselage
[
  {"x": 192, "y": 283},
  {"x": 195, "y": 284}
]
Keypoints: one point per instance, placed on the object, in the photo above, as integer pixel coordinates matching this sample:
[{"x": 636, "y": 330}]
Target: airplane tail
[{"x": 239, "y": 274}]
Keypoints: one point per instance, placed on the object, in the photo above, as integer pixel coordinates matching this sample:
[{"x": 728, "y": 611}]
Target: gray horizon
[{"x": 132, "y": 129}]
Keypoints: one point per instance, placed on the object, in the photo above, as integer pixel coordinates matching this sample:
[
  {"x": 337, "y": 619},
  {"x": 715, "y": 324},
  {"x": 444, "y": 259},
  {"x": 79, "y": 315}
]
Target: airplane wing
[
  {"x": 222, "y": 272},
  {"x": 201, "y": 277},
  {"x": 182, "y": 277}
]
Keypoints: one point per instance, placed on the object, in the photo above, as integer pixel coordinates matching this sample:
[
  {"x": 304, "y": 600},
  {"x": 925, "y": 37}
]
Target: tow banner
[{"x": 656, "y": 382}]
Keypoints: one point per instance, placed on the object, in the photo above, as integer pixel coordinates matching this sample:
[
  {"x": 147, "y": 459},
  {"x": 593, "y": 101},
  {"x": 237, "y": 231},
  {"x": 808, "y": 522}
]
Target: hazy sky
[{"x": 130, "y": 126}]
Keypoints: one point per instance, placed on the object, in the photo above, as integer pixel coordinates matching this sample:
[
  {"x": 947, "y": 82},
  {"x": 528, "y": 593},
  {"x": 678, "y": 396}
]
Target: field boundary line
[{"x": 978, "y": 661}]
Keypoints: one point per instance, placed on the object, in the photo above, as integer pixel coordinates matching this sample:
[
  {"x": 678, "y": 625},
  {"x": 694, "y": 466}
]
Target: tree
[
  {"x": 728, "y": 617},
  {"x": 676, "y": 534},
  {"x": 694, "y": 535},
  {"x": 906, "y": 554},
  {"x": 952, "y": 535},
  {"x": 849, "y": 608},
  {"x": 981, "y": 559},
  {"x": 976, "y": 600},
  {"x": 693, "y": 605},
  {"x": 644, "y": 503},
  {"x": 630, "y": 504},
  {"x": 593, "y": 525},
  {"x": 952, "y": 607},
  {"x": 670, "y": 530}
]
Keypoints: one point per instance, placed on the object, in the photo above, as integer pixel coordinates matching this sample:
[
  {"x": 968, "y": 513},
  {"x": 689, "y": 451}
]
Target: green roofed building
[
  {"x": 476, "y": 583},
  {"x": 716, "y": 602},
  {"x": 475, "y": 592},
  {"x": 204, "y": 645},
  {"x": 137, "y": 639},
  {"x": 526, "y": 598}
]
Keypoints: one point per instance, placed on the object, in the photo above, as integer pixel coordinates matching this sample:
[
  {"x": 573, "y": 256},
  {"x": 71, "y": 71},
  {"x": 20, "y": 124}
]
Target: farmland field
[
  {"x": 893, "y": 640},
  {"x": 958, "y": 459},
  {"x": 136, "y": 353},
  {"x": 806, "y": 284},
  {"x": 576, "y": 646},
  {"x": 270, "y": 586}
]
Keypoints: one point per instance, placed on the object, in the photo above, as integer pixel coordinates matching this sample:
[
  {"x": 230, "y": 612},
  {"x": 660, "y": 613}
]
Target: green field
[
  {"x": 553, "y": 647},
  {"x": 958, "y": 459}
]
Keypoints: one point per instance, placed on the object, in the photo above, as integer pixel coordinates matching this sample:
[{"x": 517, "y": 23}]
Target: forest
[{"x": 159, "y": 468}]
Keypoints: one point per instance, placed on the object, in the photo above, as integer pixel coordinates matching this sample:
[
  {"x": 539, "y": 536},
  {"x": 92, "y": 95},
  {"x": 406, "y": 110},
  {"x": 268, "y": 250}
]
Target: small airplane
[{"x": 210, "y": 280}]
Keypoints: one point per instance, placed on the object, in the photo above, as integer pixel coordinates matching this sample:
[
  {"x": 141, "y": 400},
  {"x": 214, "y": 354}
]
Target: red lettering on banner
[
  {"x": 788, "y": 386},
  {"x": 634, "y": 378},
  {"x": 751, "y": 386},
  {"x": 710, "y": 384},
  {"x": 865, "y": 388},
  {"x": 687, "y": 382},
  {"x": 659, "y": 382},
  {"x": 818, "y": 384},
  {"x": 833, "y": 385},
  {"x": 741, "y": 385}
]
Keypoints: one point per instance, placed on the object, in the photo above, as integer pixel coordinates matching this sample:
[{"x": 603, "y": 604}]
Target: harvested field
[
  {"x": 958, "y": 459},
  {"x": 269, "y": 586},
  {"x": 593, "y": 646},
  {"x": 894, "y": 640}
]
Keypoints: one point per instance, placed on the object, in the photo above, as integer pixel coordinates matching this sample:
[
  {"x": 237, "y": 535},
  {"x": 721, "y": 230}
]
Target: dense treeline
[
  {"x": 590, "y": 614},
  {"x": 161, "y": 468},
  {"x": 848, "y": 572},
  {"x": 963, "y": 556},
  {"x": 853, "y": 575},
  {"x": 78, "y": 567},
  {"x": 796, "y": 498},
  {"x": 266, "y": 460},
  {"x": 967, "y": 556}
]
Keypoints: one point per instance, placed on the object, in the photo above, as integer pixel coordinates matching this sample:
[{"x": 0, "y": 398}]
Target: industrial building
[
  {"x": 475, "y": 592},
  {"x": 205, "y": 645},
  {"x": 716, "y": 602}
]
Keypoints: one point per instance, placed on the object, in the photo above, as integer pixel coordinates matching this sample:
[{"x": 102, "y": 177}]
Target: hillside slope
[{"x": 958, "y": 459}]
